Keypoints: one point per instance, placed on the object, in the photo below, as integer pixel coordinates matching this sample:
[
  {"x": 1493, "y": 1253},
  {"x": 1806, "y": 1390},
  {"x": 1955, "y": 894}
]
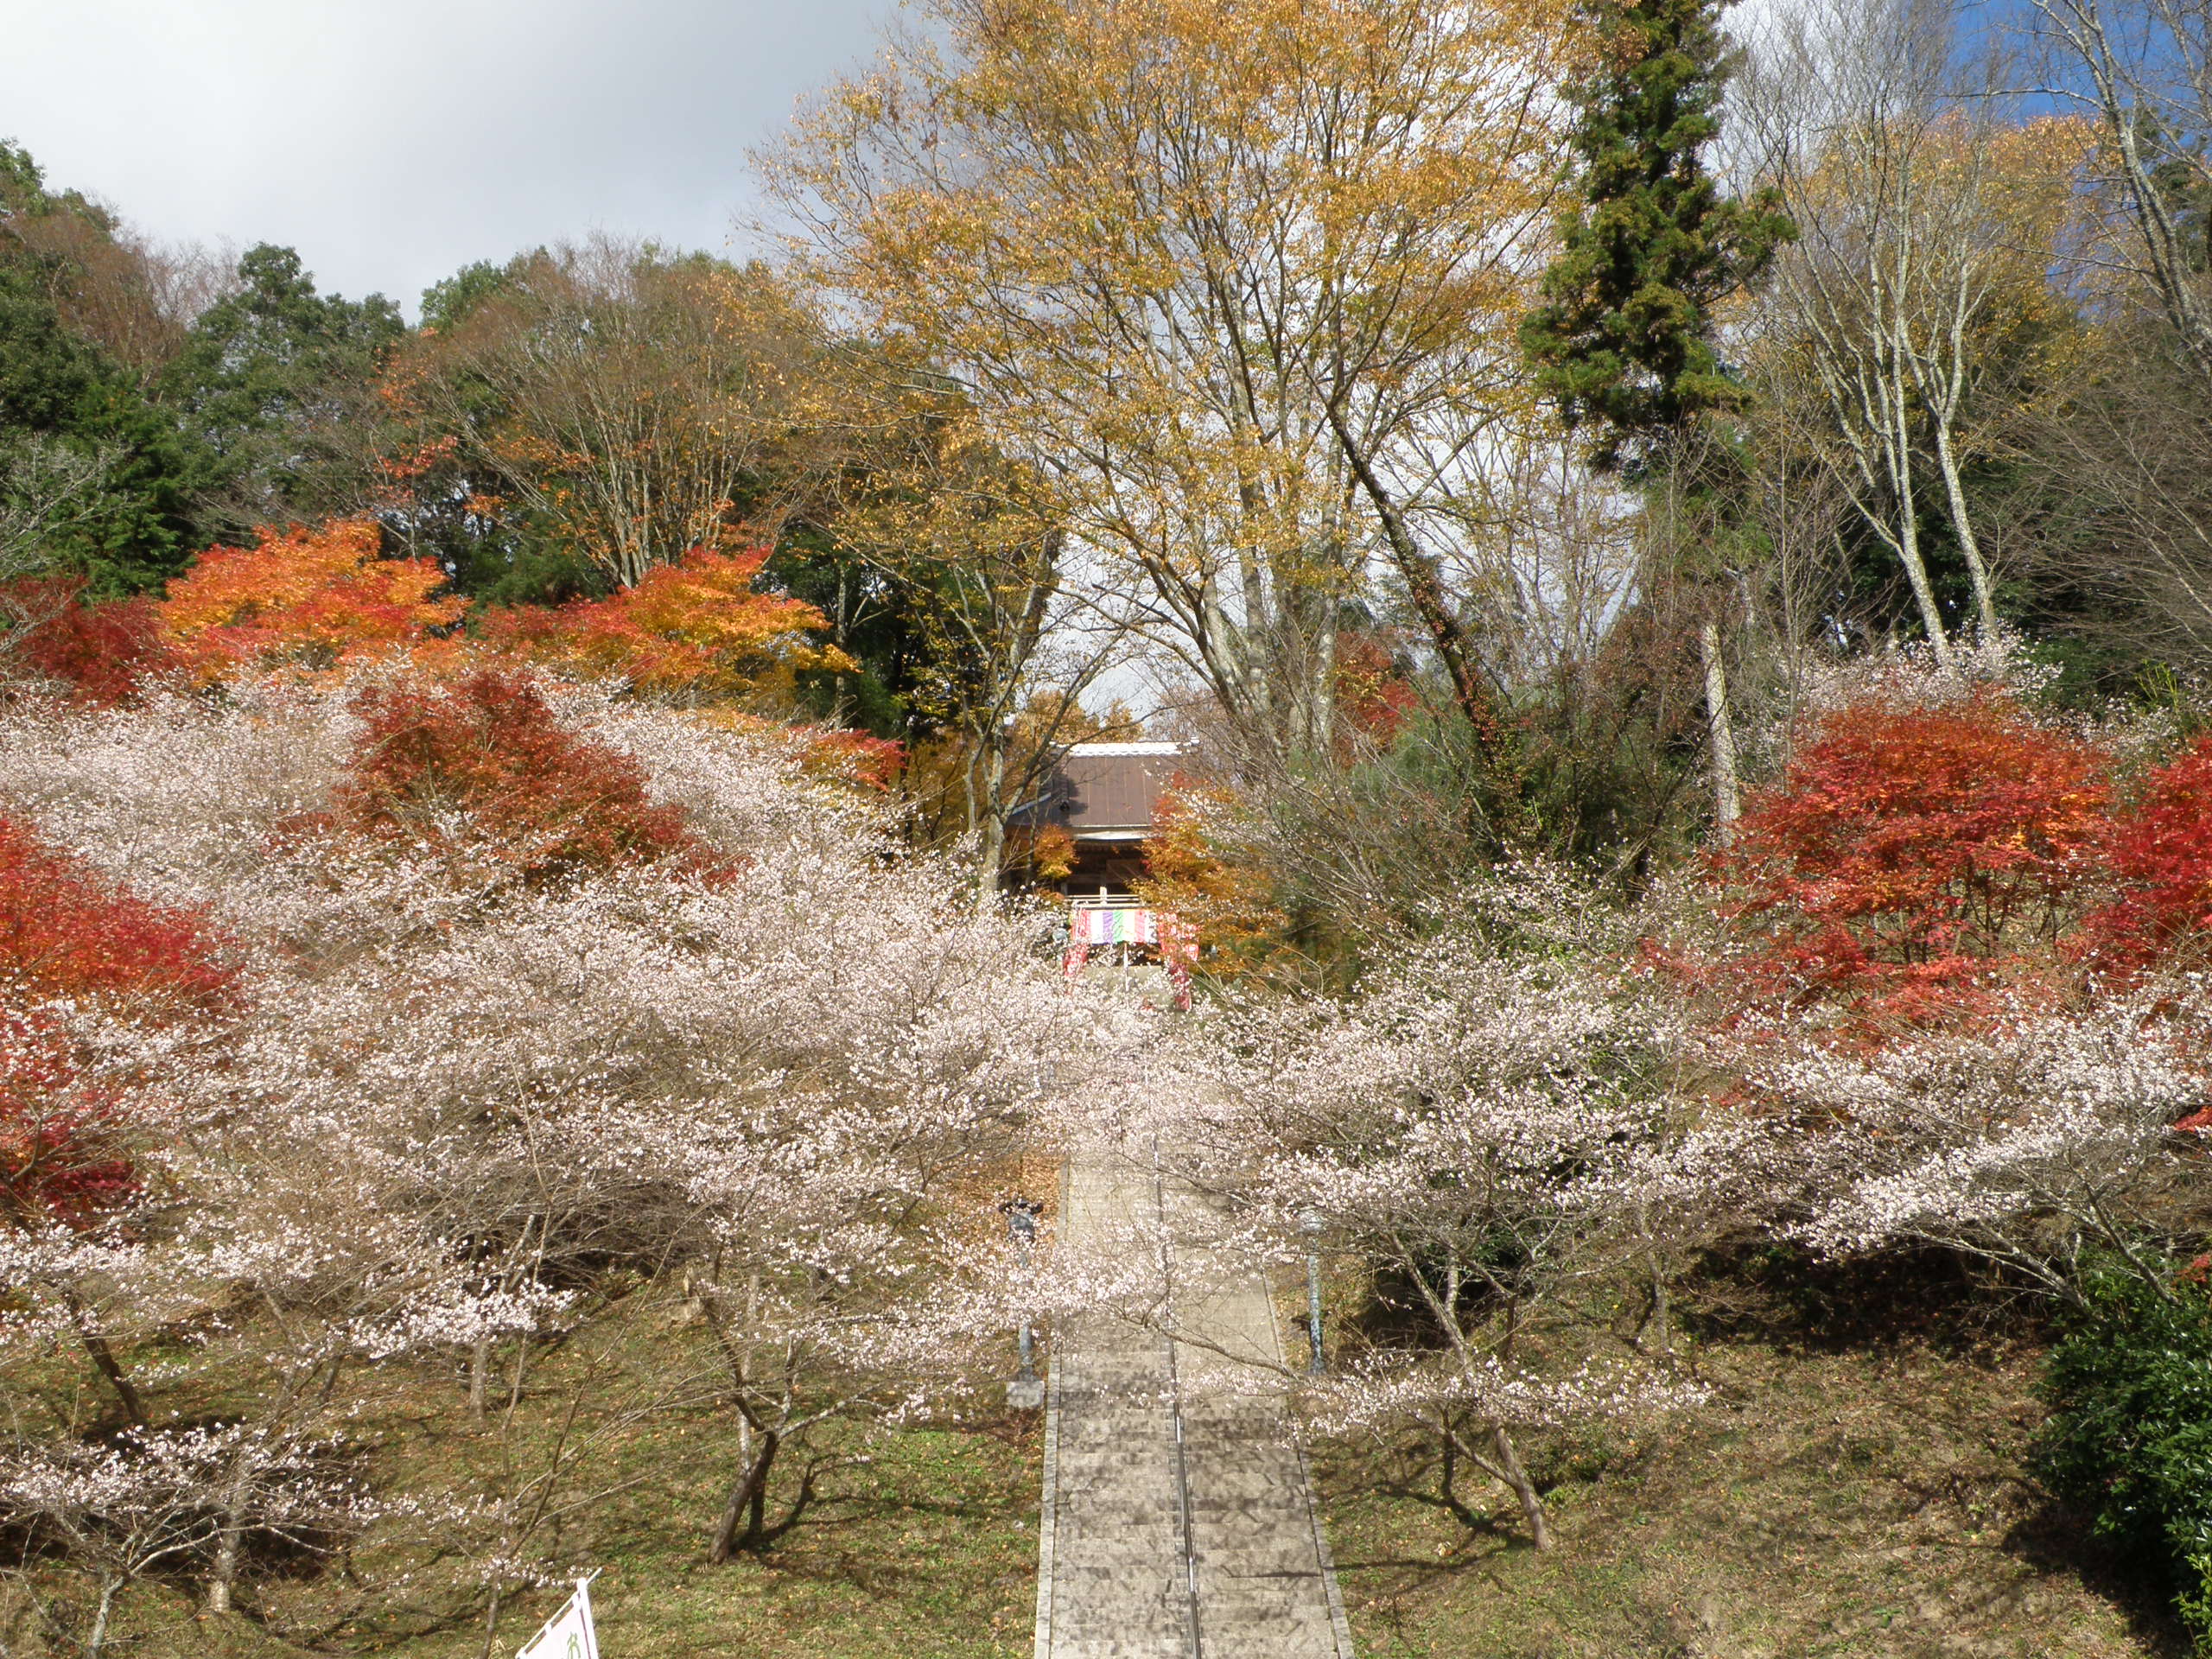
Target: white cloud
[{"x": 393, "y": 141}]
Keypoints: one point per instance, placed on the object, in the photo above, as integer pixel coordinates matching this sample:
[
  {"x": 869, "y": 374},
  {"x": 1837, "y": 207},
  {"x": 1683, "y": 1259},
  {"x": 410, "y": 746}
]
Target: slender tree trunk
[
  {"x": 990, "y": 819},
  {"x": 2148, "y": 199},
  {"x": 105, "y": 1362},
  {"x": 1897, "y": 442},
  {"x": 1516, "y": 1476},
  {"x": 1728, "y": 800},
  {"x": 1658, "y": 1311},
  {"x": 225, "y": 1570},
  {"x": 480, "y": 1363},
  {"x": 1924, "y": 591},
  {"x": 1425, "y": 586},
  {"x": 1955, "y": 496},
  {"x": 223, "y": 1573},
  {"x": 1317, "y": 719},
  {"x": 1867, "y": 378},
  {"x": 96, "y": 1640},
  {"x": 514, "y": 1385},
  {"x": 492, "y": 1621},
  {"x": 744, "y": 1517},
  {"x": 1659, "y": 1316}
]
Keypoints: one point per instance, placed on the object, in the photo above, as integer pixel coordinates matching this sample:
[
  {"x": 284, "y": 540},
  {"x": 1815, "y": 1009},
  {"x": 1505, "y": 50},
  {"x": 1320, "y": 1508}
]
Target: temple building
[{"x": 1105, "y": 795}]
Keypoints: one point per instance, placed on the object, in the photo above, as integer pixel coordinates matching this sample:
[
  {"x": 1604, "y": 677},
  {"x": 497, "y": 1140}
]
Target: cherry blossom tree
[
  {"x": 2027, "y": 1144},
  {"x": 152, "y": 1498},
  {"x": 1490, "y": 1129},
  {"x": 543, "y": 992}
]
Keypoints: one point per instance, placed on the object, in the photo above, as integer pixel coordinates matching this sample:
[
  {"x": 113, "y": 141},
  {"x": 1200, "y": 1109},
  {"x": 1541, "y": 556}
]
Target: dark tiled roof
[{"x": 1107, "y": 787}]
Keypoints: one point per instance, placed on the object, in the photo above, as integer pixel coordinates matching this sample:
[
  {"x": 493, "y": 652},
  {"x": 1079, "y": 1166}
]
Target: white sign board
[{"x": 567, "y": 1634}]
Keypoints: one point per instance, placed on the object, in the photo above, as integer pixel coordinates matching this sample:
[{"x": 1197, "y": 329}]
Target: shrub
[
  {"x": 1371, "y": 690},
  {"x": 855, "y": 758},
  {"x": 101, "y": 652},
  {"x": 487, "y": 757},
  {"x": 1226, "y": 897},
  {"x": 62, "y": 1153},
  {"x": 2161, "y": 857},
  {"x": 308, "y": 596},
  {"x": 2129, "y": 1442},
  {"x": 697, "y": 628},
  {"x": 67, "y": 932},
  {"x": 68, "y": 935}
]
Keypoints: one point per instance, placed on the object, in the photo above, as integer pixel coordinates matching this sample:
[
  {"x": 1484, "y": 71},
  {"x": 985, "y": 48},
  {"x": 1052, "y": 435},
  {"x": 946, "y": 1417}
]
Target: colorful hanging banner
[{"x": 1121, "y": 924}]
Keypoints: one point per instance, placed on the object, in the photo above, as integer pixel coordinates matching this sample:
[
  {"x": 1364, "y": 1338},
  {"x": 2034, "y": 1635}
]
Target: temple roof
[{"x": 1106, "y": 791}]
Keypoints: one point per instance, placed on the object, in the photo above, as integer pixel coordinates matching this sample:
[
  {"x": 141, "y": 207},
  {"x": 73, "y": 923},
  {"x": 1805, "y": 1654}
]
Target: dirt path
[{"x": 1178, "y": 1520}]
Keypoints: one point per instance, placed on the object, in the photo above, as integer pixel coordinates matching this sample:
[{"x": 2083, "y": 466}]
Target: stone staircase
[{"x": 1178, "y": 1521}]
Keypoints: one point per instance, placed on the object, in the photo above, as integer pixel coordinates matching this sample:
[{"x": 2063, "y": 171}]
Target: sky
[{"x": 392, "y": 142}]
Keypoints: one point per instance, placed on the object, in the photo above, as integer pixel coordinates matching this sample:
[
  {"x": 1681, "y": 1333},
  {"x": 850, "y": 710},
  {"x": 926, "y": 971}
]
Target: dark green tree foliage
[
  {"x": 447, "y": 303},
  {"x": 873, "y": 619},
  {"x": 58, "y": 387},
  {"x": 2129, "y": 1442},
  {"x": 1623, "y": 341},
  {"x": 278, "y": 382}
]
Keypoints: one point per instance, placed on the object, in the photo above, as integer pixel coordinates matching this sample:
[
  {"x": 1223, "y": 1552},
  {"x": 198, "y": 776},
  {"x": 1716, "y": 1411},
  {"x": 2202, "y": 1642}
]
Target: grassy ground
[
  {"x": 899, "y": 1544},
  {"x": 1832, "y": 1499},
  {"x": 1844, "y": 1493},
  {"x": 915, "y": 1541},
  {"x": 927, "y": 1548}
]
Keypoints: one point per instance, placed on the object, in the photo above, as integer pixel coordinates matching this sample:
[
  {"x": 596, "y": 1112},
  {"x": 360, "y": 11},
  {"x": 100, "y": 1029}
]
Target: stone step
[{"x": 1153, "y": 1545}]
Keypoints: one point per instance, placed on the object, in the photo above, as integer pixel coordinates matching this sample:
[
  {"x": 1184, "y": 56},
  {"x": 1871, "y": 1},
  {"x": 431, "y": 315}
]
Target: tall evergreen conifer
[{"x": 1650, "y": 247}]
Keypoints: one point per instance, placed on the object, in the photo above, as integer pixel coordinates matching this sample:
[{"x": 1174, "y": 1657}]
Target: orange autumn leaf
[
  {"x": 309, "y": 596},
  {"x": 696, "y": 628}
]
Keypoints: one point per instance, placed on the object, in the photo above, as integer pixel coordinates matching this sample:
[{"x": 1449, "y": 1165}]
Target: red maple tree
[
  {"x": 68, "y": 935},
  {"x": 65, "y": 931},
  {"x": 1372, "y": 692},
  {"x": 487, "y": 752},
  {"x": 63, "y": 1156},
  {"x": 2159, "y": 857},
  {"x": 1907, "y": 853},
  {"x": 101, "y": 652}
]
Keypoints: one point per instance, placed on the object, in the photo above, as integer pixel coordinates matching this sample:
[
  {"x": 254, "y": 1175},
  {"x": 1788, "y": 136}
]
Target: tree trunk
[
  {"x": 514, "y": 1385},
  {"x": 1658, "y": 1311},
  {"x": 1515, "y": 1476},
  {"x": 480, "y": 1362},
  {"x": 1907, "y": 543},
  {"x": 225, "y": 1570},
  {"x": 1955, "y": 496},
  {"x": 744, "y": 1517},
  {"x": 1728, "y": 800},
  {"x": 991, "y": 821},
  {"x": 492, "y": 1621},
  {"x": 105, "y": 1360},
  {"x": 95, "y": 1642},
  {"x": 2171, "y": 264},
  {"x": 1425, "y": 586}
]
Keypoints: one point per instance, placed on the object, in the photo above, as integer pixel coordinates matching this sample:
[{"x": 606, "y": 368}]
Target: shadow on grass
[
  {"x": 1789, "y": 1298},
  {"x": 1482, "y": 1538},
  {"x": 833, "y": 1533},
  {"x": 2053, "y": 1539}
]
